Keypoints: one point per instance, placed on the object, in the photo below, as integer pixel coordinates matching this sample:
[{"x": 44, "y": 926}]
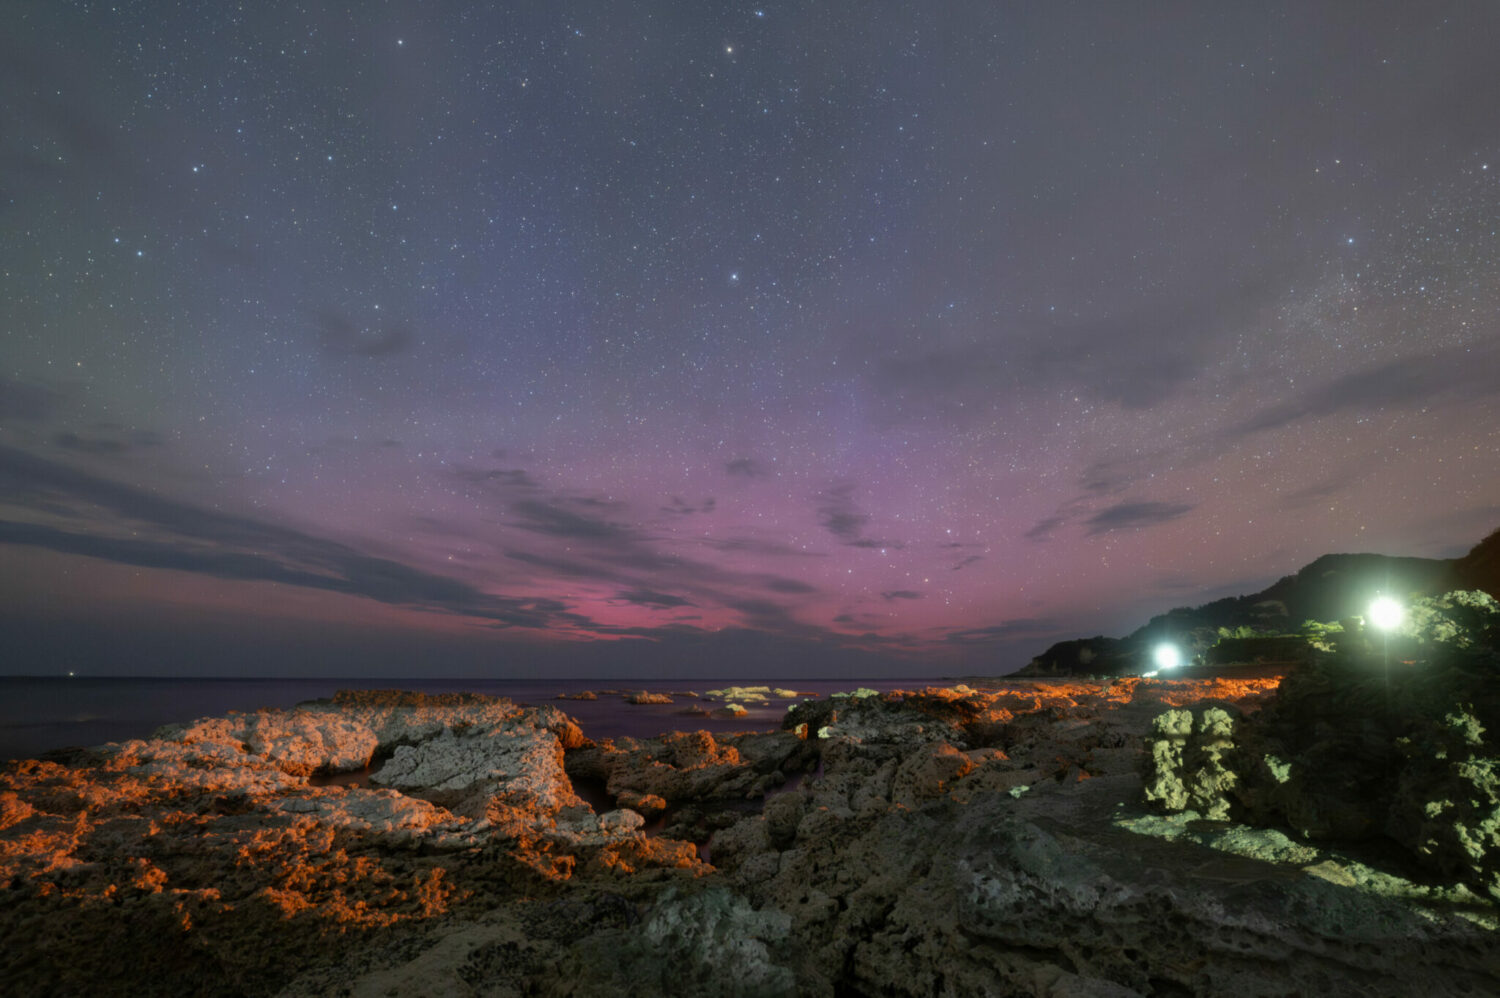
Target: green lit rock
[
  {"x": 1362, "y": 744},
  {"x": 1186, "y": 767}
]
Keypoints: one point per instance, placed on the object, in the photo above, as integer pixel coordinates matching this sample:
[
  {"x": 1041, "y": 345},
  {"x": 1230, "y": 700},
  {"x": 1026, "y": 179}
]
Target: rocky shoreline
[{"x": 946, "y": 841}]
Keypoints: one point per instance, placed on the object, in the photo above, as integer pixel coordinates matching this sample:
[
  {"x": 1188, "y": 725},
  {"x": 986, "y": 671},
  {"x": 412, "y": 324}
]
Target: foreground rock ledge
[{"x": 935, "y": 842}]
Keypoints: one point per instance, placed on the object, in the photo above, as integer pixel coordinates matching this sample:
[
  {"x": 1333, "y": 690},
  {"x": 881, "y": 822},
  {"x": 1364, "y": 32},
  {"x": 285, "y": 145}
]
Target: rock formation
[
  {"x": 644, "y": 697},
  {"x": 1393, "y": 738},
  {"x": 924, "y": 842}
]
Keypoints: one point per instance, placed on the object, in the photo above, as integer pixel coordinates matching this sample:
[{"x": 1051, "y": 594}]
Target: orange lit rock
[{"x": 967, "y": 836}]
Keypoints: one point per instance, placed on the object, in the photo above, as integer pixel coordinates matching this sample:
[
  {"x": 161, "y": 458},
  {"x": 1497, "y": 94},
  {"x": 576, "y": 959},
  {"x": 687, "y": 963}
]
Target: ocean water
[{"x": 39, "y": 714}]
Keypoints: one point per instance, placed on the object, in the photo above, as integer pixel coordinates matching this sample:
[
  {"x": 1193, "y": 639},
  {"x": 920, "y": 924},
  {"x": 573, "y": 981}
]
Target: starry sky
[{"x": 701, "y": 339}]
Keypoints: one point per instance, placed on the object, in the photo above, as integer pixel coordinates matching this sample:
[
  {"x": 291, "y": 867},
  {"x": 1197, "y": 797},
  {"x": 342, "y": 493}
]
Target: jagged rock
[
  {"x": 513, "y": 763},
  {"x": 644, "y": 697},
  {"x": 647, "y": 804},
  {"x": 299, "y": 742},
  {"x": 1186, "y": 767},
  {"x": 966, "y": 841},
  {"x": 1359, "y": 746},
  {"x": 395, "y": 818},
  {"x": 706, "y": 943},
  {"x": 928, "y": 774},
  {"x": 691, "y": 765}
]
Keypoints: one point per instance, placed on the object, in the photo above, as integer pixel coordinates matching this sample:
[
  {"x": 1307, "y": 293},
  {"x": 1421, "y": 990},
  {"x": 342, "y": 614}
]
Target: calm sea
[{"x": 38, "y": 714}]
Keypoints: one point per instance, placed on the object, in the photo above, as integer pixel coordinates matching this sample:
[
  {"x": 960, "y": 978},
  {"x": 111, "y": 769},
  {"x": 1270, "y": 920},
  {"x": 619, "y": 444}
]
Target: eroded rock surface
[
  {"x": 207, "y": 852},
  {"x": 928, "y": 842},
  {"x": 1392, "y": 739}
]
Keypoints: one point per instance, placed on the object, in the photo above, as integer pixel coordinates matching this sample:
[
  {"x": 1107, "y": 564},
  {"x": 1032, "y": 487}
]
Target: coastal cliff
[{"x": 1330, "y": 588}]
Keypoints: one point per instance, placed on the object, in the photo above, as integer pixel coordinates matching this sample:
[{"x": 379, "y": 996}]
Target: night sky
[{"x": 692, "y": 339}]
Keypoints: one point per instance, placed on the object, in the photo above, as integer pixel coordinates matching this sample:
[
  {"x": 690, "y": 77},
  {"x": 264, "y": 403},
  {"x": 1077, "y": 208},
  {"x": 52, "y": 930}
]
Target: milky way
[{"x": 677, "y": 338}]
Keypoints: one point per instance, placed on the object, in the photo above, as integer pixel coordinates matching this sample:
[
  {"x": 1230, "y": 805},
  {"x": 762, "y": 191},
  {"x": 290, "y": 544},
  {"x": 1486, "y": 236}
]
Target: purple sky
[{"x": 693, "y": 339}]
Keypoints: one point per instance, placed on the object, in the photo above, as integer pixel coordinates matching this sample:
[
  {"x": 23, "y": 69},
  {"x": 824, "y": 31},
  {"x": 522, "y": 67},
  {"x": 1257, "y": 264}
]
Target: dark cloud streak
[
  {"x": 1418, "y": 380},
  {"x": 1135, "y": 516}
]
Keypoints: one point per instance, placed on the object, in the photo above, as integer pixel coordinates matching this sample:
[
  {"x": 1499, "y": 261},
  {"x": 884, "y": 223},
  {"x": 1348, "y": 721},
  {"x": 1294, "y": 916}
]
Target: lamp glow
[
  {"x": 1386, "y": 614},
  {"x": 1167, "y": 656}
]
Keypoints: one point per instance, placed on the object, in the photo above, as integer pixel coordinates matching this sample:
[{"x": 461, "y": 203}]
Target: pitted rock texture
[
  {"x": 204, "y": 861},
  {"x": 1363, "y": 746},
  {"x": 932, "y": 842}
]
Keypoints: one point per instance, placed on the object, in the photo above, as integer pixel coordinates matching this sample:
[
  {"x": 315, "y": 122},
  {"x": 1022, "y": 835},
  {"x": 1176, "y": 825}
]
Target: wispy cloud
[
  {"x": 1135, "y": 515},
  {"x": 554, "y": 519},
  {"x": 1043, "y": 529},
  {"x": 790, "y": 587},
  {"x": 654, "y": 600},
  {"x": 1029, "y": 628},
  {"x": 679, "y": 507},
  {"x": 27, "y": 401},
  {"x": 1421, "y": 379},
  {"x": 745, "y": 467},
  {"x": 155, "y": 532},
  {"x": 841, "y": 516},
  {"x": 505, "y": 478},
  {"x": 341, "y": 335}
]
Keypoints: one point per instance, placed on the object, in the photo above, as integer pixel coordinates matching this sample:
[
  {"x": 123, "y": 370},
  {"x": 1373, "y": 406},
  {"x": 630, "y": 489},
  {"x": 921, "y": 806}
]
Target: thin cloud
[
  {"x": 106, "y": 439},
  {"x": 754, "y": 545},
  {"x": 744, "y": 467},
  {"x": 1135, "y": 515},
  {"x": 89, "y": 445},
  {"x": 681, "y": 508},
  {"x": 343, "y": 336},
  {"x": 840, "y": 516},
  {"x": 27, "y": 401},
  {"x": 1466, "y": 373},
  {"x": 510, "y": 478},
  {"x": 1134, "y": 359},
  {"x": 1318, "y": 491},
  {"x": 790, "y": 587},
  {"x": 549, "y": 518},
  {"x": 1010, "y": 630},
  {"x": 182, "y": 537},
  {"x": 1044, "y": 529},
  {"x": 902, "y": 594},
  {"x": 654, "y": 600}
]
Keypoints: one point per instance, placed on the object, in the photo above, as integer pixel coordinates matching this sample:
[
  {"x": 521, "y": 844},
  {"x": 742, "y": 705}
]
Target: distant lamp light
[
  {"x": 1386, "y": 614},
  {"x": 1167, "y": 656}
]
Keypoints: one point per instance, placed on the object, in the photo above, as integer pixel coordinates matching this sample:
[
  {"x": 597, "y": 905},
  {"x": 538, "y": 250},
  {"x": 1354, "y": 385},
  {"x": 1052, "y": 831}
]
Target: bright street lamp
[
  {"x": 1166, "y": 656},
  {"x": 1385, "y": 614}
]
